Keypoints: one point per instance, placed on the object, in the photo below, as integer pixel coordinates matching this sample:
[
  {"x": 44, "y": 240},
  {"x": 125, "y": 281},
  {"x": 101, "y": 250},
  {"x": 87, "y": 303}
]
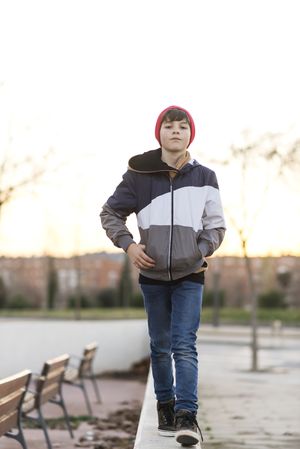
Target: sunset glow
[{"x": 88, "y": 79}]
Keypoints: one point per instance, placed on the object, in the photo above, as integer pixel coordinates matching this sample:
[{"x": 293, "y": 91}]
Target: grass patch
[
  {"x": 228, "y": 315},
  {"x": 70, "y": 314}
]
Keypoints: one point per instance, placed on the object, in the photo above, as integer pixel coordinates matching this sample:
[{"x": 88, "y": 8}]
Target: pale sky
[{"x": 88, "y": 79}]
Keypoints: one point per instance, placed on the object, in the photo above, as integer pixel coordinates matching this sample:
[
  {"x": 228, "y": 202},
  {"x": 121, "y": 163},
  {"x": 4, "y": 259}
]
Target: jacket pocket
[
  {"x": 156, "y": 239},
  {"x": 185, "y": 250}
]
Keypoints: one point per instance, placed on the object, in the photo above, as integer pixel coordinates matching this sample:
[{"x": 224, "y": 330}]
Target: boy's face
[{"x": 175, "y": 136}]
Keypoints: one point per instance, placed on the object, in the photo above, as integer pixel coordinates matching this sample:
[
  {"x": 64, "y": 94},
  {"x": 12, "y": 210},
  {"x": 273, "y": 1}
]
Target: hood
[{"x": 150, "y": 162}]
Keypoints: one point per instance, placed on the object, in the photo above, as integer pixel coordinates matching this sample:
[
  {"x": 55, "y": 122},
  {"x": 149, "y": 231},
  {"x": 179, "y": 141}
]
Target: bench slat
[
  {"x": 11, "y": 402},
  {"x": 44, "y": 382},
  {"x": 7, "y": 422},
  {"x": 91, "y": 346},
  {"x": 13, "y": 383},
  {"x": 48, "y": 393},
  {"x": 54, "y": 364}
]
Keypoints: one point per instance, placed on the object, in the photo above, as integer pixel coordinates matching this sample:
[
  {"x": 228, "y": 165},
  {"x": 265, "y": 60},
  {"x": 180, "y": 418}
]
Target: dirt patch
[{"x": 117, "y": 431}]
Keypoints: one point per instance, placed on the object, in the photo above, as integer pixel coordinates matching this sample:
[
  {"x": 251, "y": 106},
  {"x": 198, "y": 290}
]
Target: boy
[{"x": 180, "y": 221}]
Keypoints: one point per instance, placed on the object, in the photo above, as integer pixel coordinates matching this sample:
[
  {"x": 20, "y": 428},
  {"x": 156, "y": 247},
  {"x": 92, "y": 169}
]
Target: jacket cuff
[
  {"x": 204, "y": 248},
  {"x": 124, "y": 241}
]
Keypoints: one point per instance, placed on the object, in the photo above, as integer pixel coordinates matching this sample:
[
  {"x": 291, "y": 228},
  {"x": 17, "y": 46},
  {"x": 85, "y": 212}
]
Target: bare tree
[
  {"x": 259, "y": 163},
  {"x": 18, "y": 174}
]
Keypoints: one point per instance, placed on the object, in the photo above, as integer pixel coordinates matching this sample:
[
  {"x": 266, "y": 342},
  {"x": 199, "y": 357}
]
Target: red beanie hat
[{"x": 161, "y": 117}]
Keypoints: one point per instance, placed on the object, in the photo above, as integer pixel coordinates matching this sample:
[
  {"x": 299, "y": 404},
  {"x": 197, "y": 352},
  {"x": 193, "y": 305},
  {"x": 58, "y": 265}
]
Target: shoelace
[{"x": 192, "y": 420}]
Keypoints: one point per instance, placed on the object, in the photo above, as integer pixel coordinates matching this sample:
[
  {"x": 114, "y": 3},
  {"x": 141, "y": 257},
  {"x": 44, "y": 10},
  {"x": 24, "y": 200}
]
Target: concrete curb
[{"x": 147, "y": 436}]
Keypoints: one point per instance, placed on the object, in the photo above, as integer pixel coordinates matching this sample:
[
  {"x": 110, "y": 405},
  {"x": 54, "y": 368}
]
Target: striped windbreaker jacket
[{"x": 180, "y": 219}]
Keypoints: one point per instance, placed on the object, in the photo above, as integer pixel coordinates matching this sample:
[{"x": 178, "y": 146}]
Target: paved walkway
[{"x": 240, "y": 409}]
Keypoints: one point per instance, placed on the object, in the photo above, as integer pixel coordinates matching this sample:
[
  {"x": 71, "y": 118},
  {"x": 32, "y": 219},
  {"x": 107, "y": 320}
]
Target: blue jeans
[{"x": 173, "y": 313}]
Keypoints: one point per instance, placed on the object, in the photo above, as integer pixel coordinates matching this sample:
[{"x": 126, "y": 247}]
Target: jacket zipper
[{"x": 171, "y": 232}]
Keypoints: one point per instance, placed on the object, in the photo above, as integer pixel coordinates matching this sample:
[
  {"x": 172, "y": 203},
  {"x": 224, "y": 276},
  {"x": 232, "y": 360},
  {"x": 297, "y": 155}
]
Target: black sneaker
[
  {"x": 187, "y": 429},
  {"x": 166, "y": 415}
]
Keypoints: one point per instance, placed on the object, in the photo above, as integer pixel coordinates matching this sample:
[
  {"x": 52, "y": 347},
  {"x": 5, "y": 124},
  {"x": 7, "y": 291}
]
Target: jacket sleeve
[
  {"x": 116, "y": 210},
  {"x": 212, "y": 220}
]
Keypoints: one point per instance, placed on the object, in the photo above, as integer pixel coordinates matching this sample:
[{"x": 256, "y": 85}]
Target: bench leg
[
  {"x": 88, "y": 404},
  {"x": 44, "y": 427},
  {"x": 67, "y": 419},
  {"x": 21, "y": 439},
  {"x": 62, "y": 404},
  {"x": 94, "y": 380},
  {"x": 18, "y": 436}
]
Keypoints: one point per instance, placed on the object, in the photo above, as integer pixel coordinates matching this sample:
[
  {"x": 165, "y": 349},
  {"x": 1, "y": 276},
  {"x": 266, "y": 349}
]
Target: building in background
[
  {"x": 84, "y": 275},
  {"x": 280, "y": 274},
  {"x": 90, "y": 273}
]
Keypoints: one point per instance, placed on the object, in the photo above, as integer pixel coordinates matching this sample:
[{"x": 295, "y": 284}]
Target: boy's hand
[{"x": 138, "y": 256}]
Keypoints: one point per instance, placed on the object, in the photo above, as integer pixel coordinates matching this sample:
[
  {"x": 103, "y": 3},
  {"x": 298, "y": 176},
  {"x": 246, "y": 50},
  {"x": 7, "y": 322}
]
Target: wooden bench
[
  {"x": 12, "y": 393},
  {"x": 75, "y": 374},
  {"x": 48, "y": 388}
]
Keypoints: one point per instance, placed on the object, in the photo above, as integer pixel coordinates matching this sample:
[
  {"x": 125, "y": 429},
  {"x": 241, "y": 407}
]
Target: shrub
[
  {"x": 136, "y": 300},
  {"x": 125, "y": 284},
  {"x": 107, "y": 297},
  {"x": 271, "y": 299},
  {"x": 85, "y": 302},
  {"x": 52, "y": 289},
  {"x": 208, "y": 298},
  {"x": 3, "y": 294},
  {"x": 19, "y": 301}
]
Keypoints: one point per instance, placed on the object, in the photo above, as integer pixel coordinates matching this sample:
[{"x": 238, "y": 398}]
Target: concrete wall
[{"x": 28, "y": 343}]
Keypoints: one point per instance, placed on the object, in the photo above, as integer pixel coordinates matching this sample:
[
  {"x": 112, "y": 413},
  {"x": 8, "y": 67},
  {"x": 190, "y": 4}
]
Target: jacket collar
[{"x": 150, "y": 162}]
